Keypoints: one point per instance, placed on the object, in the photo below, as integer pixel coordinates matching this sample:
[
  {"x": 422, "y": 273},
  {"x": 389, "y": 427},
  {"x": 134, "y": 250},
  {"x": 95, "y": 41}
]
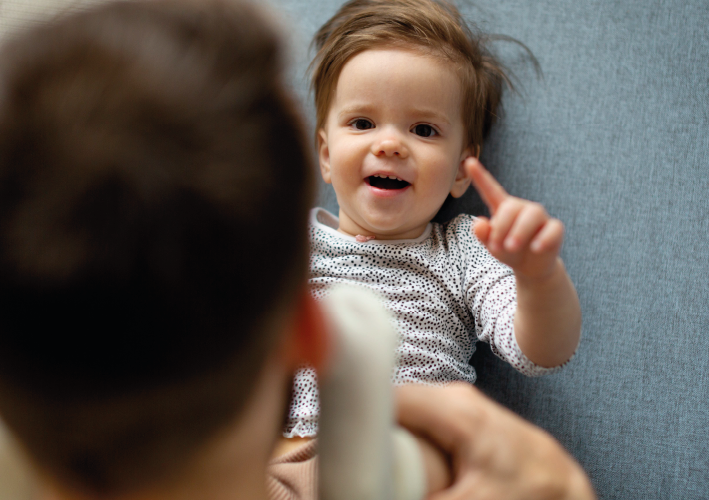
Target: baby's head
[{"x": 403, "y": 89}]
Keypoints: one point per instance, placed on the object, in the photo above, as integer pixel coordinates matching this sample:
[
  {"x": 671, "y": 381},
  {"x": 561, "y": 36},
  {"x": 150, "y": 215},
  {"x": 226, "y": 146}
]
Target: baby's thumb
[{"x": 481, "y": 229}]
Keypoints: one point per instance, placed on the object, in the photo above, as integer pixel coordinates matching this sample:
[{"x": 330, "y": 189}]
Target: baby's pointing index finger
[{"x": 491, "y": 192}]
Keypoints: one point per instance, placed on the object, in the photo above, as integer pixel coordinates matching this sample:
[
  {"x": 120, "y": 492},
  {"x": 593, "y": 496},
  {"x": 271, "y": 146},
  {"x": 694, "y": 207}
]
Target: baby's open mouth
[{"x": 389, "y": 182}]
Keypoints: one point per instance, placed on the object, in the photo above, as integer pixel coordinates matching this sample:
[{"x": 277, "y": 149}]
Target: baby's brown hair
[{"x": 432, "y": 25}]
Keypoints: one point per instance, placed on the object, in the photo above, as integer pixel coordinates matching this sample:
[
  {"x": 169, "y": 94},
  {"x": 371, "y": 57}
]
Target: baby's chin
[{"x": 382, "y": 224}]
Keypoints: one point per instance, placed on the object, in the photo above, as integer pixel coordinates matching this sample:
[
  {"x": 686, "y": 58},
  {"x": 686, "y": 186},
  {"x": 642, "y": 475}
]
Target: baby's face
[{"x": 394, "y": 143}]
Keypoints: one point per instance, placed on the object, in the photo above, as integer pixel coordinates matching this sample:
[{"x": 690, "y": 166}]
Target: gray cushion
[{"x": 614, "y": 140}]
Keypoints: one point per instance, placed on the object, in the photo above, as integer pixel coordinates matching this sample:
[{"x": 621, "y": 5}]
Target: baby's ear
[
  {"x": 462, "y": 181},
  {"x": 324, "y": 156}
]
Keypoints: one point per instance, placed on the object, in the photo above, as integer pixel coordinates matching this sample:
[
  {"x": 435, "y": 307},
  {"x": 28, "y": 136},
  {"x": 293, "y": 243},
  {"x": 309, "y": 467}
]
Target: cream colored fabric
[{"x": 363, "y": 453}]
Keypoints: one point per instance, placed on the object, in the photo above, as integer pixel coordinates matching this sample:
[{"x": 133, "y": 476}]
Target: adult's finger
[
  {"x": 468, "y": 487},
  {"x": 444, "y": 414},
  {"x": 491, "y": 192}
]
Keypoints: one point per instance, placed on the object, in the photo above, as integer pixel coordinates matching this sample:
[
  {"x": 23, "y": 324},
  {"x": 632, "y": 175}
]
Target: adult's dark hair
[{"x": 154, "y": 187}]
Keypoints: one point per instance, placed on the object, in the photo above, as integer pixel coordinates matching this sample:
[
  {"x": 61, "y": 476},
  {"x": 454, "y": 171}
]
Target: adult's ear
[
  {"x": 324, "y": 156},
  {"x": 462, "y": 181},
  {"x": 309, "y": 341}
]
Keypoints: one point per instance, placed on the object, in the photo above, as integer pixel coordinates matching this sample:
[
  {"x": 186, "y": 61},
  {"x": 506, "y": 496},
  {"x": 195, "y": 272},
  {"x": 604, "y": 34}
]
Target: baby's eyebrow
[
  {"x": 430, "y": 115},
  {"x": 356, "y": 109},
  {"x": 415, "y": 114}
]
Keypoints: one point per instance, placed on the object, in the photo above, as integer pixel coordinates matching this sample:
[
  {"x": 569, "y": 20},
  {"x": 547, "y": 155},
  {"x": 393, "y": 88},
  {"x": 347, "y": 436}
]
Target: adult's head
[{"x": 154, "y": 187}]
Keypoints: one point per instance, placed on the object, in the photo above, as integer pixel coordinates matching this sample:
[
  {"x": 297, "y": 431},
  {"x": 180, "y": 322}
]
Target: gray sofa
[{"x": 614, "y": 140}]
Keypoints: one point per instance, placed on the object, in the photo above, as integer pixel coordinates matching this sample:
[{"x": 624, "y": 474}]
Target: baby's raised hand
[{"x": 520, "y": 233}]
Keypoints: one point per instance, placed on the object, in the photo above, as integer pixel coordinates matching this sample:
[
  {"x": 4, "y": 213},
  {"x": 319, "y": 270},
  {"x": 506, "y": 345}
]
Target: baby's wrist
[{"x": 542, "y": 279}]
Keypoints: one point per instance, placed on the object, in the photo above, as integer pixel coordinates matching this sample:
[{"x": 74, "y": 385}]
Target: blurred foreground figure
[{"x": 154, "y": 189}]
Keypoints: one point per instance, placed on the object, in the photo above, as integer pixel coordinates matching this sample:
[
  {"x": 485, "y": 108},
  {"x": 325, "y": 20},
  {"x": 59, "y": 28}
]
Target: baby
[{"x": 405, "y": 95}]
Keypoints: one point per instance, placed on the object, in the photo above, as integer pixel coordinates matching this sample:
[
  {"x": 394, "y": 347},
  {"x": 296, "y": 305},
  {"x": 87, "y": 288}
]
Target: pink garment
[{"x": 294, "y": 476}]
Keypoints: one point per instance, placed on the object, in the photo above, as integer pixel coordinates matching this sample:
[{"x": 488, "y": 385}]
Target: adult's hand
[{"x": 495, "y": 454}]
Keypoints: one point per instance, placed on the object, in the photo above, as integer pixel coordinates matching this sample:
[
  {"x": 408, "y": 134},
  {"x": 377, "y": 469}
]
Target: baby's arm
[{"x": 522, "y": 235}]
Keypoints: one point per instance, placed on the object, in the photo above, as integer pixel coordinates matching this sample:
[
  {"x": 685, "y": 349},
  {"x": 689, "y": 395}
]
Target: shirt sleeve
[
  {"x": 305, "y": 405},
  {"x": 490, "y": 293}
]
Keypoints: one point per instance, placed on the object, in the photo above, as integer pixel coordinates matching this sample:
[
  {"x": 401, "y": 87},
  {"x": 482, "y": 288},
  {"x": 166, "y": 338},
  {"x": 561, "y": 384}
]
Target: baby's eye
[
  {"x": 424, "y": 130},
  {"x": 362, "y": 124}
]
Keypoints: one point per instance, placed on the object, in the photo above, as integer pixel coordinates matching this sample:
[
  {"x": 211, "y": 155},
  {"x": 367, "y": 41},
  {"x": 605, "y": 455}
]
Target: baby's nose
[{"x": 390, "y": 145}]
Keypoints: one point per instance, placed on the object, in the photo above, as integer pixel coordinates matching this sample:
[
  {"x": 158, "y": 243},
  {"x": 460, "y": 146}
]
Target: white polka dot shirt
[{"x": 444, "y": 291}]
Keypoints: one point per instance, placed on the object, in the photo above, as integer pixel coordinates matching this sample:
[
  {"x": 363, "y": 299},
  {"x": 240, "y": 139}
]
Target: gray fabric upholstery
[{"x": 614, "y": 140}]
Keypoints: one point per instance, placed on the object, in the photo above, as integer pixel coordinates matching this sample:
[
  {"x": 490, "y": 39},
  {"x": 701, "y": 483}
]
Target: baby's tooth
[{"x": 392, "y": 177}]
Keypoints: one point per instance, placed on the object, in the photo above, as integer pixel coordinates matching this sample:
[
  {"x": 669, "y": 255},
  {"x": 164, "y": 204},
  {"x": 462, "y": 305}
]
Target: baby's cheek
[{"x": 343, "y": 176}]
